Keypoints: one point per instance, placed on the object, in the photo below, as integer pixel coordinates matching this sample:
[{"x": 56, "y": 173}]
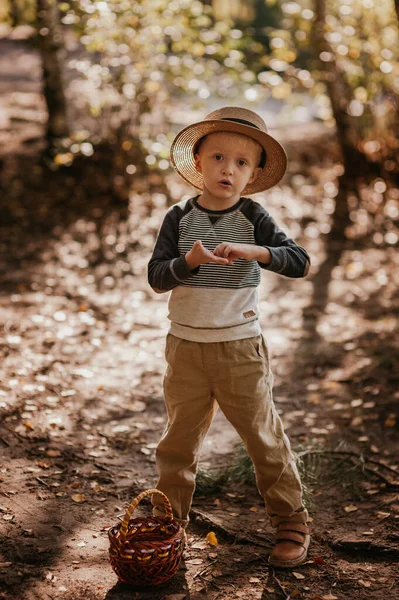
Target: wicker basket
[{"x": 146, "y": 551}]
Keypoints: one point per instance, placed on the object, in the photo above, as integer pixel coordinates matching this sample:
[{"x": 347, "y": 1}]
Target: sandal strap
[
  {"x": 291, "y": 536},
  {"x": 297, "y": 527}
]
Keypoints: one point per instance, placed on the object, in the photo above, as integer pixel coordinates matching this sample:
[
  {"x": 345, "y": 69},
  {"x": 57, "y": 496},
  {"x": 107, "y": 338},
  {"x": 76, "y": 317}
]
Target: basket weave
[{"x": 146, "y": 551}]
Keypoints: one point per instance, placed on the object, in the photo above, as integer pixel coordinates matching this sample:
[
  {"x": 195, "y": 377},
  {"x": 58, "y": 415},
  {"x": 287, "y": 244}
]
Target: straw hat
[{"x": 236, "y": 120}]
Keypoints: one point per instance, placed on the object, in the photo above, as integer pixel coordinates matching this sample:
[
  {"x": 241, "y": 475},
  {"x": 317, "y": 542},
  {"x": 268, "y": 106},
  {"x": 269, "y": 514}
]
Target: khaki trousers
[{"x": 236, "y": 376}]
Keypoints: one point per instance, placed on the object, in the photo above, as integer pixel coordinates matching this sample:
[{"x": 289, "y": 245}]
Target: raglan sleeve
[
  {"x": 167, "y": 268},
  {"x": 288, "y": 258}
]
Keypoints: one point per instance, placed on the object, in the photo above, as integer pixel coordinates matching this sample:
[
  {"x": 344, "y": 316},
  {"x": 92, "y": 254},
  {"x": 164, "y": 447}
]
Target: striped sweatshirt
[{"x": 215, "y": 302}]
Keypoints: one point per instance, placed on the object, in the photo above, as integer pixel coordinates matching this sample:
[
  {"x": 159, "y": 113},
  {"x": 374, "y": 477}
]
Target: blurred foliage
[
  {"x": 144, "y": 56},
  {"x": 361, "y": 39},
  {"x": 148, "y": 59}
]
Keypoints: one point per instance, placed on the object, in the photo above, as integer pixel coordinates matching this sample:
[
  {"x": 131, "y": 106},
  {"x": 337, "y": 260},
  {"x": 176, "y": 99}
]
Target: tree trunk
[
  {"x": 355, "y": 163},
  {"x": 50, "y": 44},
  {"x": 14, "y": 13}
]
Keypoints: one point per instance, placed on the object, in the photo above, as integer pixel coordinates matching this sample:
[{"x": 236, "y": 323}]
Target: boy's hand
[
  {"x": 247, "y": 251},
  {"x": 199, "y": 255}
]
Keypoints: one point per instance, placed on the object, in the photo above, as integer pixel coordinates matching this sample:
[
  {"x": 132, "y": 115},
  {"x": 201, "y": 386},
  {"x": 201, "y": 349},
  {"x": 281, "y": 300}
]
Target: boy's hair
[{"x": 262, "y": 160}]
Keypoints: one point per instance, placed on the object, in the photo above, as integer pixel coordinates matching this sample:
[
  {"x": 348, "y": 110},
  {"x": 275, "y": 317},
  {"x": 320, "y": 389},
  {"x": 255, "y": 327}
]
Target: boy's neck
[{"x": 209, "y": 201}]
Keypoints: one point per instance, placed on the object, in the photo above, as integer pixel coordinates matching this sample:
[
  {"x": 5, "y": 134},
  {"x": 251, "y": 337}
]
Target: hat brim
[{"x": 182, "y": 156}]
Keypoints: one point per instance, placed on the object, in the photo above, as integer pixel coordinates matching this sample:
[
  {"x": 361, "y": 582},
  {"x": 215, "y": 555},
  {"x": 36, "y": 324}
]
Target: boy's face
[{"x": 228, "y": 162}]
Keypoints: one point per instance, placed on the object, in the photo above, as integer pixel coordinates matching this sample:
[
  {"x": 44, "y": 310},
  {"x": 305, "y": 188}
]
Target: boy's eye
[
  {"x": 242, "y": 162},
  {"x": 218, "y": 156}
]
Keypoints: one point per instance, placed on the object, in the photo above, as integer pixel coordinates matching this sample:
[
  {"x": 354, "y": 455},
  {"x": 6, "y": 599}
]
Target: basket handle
[{"x": 133, "y": 506}]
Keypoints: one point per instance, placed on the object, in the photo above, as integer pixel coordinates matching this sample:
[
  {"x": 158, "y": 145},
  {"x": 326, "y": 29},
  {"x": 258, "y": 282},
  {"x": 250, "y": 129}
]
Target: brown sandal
[{"x": 292, "y": 543}]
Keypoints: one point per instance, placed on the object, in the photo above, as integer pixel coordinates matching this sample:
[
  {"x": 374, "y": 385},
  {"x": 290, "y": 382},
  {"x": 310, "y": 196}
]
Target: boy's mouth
[{"x": 225, "y": 183}]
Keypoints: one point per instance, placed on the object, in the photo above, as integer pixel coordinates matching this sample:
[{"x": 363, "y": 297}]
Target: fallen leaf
[
  {"x": 53, "y": 453},
  {"x": 8, "y": 517},
  {"x": 382, "y": 515},
  {"x": 254, "y": 580},
  {"x": 364, "y": 583},
  {"x": 356, "y": 402},
  {"x": 28, "y": 425},
  {"x": 329, "y": 597},
  {"x": 5, "y": 564},
  {"x": 298, "y": 575},
  {"x": 199, "y": 545},
  {"x": 254, "y": 509},
  {"x": 390, "y": 421},
  {"x": 78, "y": 498},
  {"x": 66, "y": 393},
  {"x": 319, "y": 560},
  {"x": 195, "y": 561},
  {"x": 350, "y": 508},
  {"x": 212, "y": 539}
]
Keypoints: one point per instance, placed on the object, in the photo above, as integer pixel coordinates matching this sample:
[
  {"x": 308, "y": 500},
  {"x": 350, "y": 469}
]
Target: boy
[{"x": 209, "y": 253}]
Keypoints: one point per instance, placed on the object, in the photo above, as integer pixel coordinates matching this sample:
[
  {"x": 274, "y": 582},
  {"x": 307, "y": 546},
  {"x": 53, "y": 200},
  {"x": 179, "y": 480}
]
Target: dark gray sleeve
[
  {"x": 288, "y": 258},
  {"x": 167, "y": 269}
]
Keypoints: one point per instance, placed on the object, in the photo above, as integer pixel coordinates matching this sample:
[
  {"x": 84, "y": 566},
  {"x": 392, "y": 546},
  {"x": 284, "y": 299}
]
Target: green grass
[{"x": 319, "y": 468}]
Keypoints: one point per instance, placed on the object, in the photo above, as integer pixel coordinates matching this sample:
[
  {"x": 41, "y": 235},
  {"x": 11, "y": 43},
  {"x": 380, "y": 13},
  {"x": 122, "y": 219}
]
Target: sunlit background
[{"x": 91, "y": 97}]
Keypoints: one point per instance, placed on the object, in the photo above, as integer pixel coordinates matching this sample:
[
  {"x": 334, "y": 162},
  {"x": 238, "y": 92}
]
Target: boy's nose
[{"x": 227, "y": 170}]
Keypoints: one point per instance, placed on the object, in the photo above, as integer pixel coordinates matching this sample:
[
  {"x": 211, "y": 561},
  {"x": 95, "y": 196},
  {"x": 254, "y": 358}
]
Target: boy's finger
[
  {"x": 219, "y": 260},
  {"x": 227, "y": 251}
]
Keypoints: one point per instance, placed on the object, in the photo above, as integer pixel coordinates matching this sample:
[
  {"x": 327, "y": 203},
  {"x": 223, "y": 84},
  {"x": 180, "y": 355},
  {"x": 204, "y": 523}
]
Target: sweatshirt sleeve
[
  {"x": 167, "y": 268},
  {"x": 288, "y": 258}
]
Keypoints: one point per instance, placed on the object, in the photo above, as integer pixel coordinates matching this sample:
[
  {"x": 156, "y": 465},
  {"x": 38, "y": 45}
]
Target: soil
[{"x": 81, "y": 403}]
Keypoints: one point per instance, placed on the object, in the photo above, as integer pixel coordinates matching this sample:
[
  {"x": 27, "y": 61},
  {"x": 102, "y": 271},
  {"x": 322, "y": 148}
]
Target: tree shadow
[
  {"x": 88, "y": 201},
  {"x": 177, "y": 585},
  {"x": 37, "y": 538}
]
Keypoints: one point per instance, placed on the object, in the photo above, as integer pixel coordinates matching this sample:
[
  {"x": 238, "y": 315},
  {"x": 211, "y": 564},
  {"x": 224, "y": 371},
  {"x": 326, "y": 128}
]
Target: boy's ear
[
  {"x": 255, "y": 174},
  {"x": 197, "y": 163}
]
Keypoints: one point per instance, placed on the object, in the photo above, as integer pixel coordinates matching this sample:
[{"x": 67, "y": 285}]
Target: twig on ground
[
  {"x": 202, "y": 519},
  {"x": 360, "y": 457},
  {"x": 104, "y": 435},
  {"x": 286, "y": 596},
  {"x": 99, "y": 466},
  {"x": 21, "y": 437},
  {"x": 41, "y": 481},
  {"x": 391, "y": 484},
  {"x": 381, "y": 464},
  {"x": 206, "y": 568},
  {"x": 349, "y": 453}
]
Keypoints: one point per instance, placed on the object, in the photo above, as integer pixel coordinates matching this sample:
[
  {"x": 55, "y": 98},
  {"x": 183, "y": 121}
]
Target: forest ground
[{"x": 81, "y": 401}]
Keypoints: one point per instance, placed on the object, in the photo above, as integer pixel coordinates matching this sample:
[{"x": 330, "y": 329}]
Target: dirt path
[
  {"x": 81, "y": 407},
  {"x": 82, "y": 410}
]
